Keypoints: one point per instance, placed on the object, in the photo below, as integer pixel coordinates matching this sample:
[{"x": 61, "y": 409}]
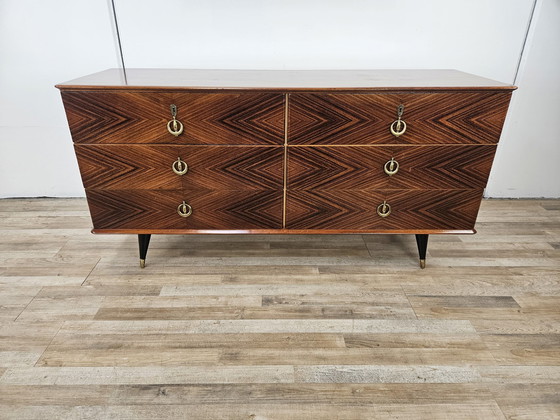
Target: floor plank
[
  {"x": 253, "y": 393},
  {"x": 485, "y": 411}
]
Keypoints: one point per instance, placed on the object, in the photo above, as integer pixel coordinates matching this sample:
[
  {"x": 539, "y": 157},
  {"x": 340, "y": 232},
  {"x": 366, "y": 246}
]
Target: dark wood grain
[
  {"x": 118, "y": 167},
  {"x": 431, "y": 118},
  {"x": 211, "y": 209},
  {"x": 142, "y": 117},
  {"x": 361, "y": 168},
  {"x": 284, "y": 231},
  {"x": 355, "y": 209},
  {"x": 285, "y": 151},
  {"x": 140, "y": 209}
]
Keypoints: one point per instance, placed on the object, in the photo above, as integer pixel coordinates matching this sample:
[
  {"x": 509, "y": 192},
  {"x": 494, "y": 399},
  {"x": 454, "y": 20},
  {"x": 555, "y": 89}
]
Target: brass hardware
[
  {"x": 142, "y": 263},
  {"x": 422, "y": 264},
  {"x": 179, "y": 167},
  {"x": 399, "y": 126},
  {"x": 384, "y": 209},
  {"x": 391, "y": 167},
  {"x": 174, "y": 126},
  {"x": 184, "y": 210},
  {"x": 398, "y": 131}
]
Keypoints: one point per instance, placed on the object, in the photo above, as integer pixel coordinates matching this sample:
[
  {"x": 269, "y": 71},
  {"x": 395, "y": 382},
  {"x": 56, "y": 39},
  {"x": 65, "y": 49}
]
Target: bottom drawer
[
  {"x": 357, "y": 210},
  {"x": 151, "y": 209}
]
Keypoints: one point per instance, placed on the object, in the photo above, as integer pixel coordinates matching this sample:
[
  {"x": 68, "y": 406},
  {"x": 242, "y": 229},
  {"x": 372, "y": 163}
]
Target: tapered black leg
[
  {"x": 422, "y": 242},
  {"x": 143, "y": 243}
]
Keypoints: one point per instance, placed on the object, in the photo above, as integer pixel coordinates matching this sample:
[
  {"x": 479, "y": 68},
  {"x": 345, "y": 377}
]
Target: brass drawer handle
[
  {"x": 399, "y": 126},
  {"x": 174, "y": 126},
  {"x": 391, "y": 167},
  {"x": 184, "y": 210},
  {"x": 180, "y": 167},
  {"x": 384, "y": 209}
]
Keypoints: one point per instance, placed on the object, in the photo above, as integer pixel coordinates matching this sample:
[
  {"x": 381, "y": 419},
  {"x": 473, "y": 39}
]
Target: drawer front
[
  {"x": 431, "y": 118},
  {"x": 142, "y": 117},
  {"x": 147, "y": 209},
  {"x": 119, "y": 167},
  {"x": 363, "y": 168},
  {"x": 135, "y": 209},
  {"x": 357, "y": 210}
]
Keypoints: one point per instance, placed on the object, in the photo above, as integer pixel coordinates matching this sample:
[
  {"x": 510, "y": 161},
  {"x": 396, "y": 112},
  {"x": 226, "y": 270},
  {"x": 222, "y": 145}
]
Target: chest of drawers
[{"x": 225, "y": 151}]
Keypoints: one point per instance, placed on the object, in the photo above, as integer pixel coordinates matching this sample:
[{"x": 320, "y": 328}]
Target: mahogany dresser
[{"x": 289, "y": 152}]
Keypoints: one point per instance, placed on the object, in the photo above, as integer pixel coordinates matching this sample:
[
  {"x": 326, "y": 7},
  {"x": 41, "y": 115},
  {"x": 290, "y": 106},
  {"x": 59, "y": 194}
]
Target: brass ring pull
[
  {"x": 398, "y": 127},
  {"x": 174, "y": 126},
  {"x": 184, "y": 210},
  {"x": 180, "y": 167},
  {"x": 391, "y": 167},
  {"x": 384, "y": 209}
]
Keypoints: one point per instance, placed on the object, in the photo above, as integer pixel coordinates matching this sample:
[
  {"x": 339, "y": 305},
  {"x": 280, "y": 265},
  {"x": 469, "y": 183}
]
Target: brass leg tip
[
  {"x": 142, "y": 263},
  {"x": 422, "y": 264}
]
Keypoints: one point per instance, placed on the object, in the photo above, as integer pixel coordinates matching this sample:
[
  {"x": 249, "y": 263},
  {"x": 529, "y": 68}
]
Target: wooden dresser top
[{"x": 285, "y": 80}]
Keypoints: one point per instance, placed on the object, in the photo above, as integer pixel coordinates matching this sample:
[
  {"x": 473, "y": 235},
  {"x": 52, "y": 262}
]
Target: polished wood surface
[
  {"x": 356, "y": 209},
  {"x": 362, "y": 168},
  {"x": 118, "y": 167},
  {"x": 279, "y": 327},
  {"x": 149, "y": 211},
  {"x": 275, "y": 231},
  {"x": 141, "y": 117},
  {"x": 273, "y": 155},
  {"x": 211, "y": 209},
  {"x": 283, "y": 80},
  {"x": 431, "y": 118}
]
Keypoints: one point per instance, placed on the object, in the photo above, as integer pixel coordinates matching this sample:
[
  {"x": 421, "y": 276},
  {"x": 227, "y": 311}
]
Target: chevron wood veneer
[
  {"x": 212, "y": 209},
  {"x": 440, "y": 118},
  {"x": 361, "y": 168},
  {"x": 285, "y": 152},
  {"x": 115, "y": 167},
  {"x": 356, "y": 210},
  {"x": 211, "y": 118}
]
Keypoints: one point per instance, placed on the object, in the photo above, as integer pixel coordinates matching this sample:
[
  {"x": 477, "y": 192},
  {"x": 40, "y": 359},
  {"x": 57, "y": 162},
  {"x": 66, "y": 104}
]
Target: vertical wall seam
[
  {"x": 118, "y": 38},
  {"x": 525, "y": 41}
]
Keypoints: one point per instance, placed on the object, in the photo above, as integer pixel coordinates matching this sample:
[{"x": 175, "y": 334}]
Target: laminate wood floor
[{"x": 279, "y": 327}]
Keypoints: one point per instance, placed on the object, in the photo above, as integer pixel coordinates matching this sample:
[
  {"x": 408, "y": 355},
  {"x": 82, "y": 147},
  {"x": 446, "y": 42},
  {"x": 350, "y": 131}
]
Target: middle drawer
[
  {"x": 388, "y": 167},
  {"x": 118, "y": 167}
]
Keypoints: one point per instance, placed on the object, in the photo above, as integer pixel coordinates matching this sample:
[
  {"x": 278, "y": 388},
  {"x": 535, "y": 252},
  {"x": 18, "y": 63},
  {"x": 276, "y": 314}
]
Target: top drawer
[
  {"x": 431, "y": 118},
  {"x": 119, "y": 116}
]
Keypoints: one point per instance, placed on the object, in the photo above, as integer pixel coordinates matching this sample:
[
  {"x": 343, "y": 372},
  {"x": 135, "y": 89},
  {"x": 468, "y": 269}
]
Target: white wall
[
  {"x": 42, "y": 43},
  {"x": 478, "y": 36},
  {"x": 528, "y": 159}
]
